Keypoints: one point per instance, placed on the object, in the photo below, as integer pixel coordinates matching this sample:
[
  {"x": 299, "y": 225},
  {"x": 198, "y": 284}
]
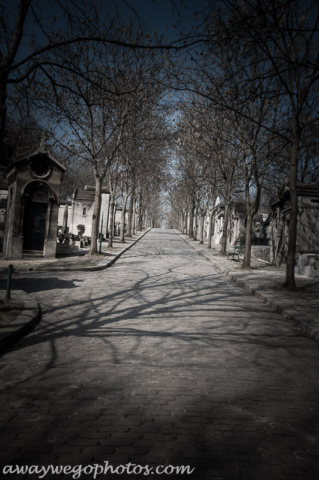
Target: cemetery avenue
[
  {"x": 159, "y": 239},
  {"x": 159, "y": 359}
]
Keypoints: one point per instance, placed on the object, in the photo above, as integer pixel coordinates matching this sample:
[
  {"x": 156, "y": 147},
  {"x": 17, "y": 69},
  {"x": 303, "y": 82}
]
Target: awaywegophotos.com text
[{"x": 97, "y": 469}]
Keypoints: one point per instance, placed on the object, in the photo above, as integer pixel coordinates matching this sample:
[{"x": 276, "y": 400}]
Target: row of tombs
[
  {"x": 32, "y": 214},
  {"x": 270, "y": 228}
]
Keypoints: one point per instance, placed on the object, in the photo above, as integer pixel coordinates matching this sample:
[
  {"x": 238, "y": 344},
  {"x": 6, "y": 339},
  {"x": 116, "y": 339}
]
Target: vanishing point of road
[{"x": 160, "y": 360}]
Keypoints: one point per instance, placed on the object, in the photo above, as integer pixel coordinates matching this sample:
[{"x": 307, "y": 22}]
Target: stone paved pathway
[
  {"x": 268, "y": 278},
  {"x": 160, "y": 360}
]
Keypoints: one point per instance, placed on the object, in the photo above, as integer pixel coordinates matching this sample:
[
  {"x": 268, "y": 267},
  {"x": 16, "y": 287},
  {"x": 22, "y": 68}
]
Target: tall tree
[
  {"x": 286, "y": 36},
  {"x": 24, "y": 53}
]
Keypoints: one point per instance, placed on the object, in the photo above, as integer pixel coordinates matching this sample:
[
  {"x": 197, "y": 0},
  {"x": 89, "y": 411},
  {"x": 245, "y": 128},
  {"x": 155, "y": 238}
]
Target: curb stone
[
  {"x": 306, "y": 325},
  {"x": 109, "y": 263},
  {"x": 24, "y": 322},
  {"x": 93, "y": 268}
]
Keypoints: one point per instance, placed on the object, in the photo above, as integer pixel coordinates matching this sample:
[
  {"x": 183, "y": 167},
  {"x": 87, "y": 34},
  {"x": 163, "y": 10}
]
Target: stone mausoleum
[
  {"x": 80, "y": 210},
  {"x": 307, "y": 224},
  {"x": 32, "y": 208}
]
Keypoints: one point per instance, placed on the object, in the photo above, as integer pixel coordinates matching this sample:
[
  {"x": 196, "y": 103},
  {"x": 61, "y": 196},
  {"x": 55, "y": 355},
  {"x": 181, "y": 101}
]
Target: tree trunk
[
  {"x": 191, "y": 219},
  {"x": 186, "y": 218},
  {"x": 247, "y": 257},
  {"x": 134, "y": 217},
  {"x": 143, "y": 223},
  {"x": 251, "y": 210},
  {"x": 7, "y": 60},
  {"x": 130, "y": 215},
  {"x": 201, "y": 228},
  {"x": 122, "y": 240},
  {"x": 114, "y": 218},
  {"x": 108, "y": 220},
  {"x": 140, "y": 214},
  {"x": 112, "y": 205},
  {"x": 249, "y": 223},
  {"x": 3, "y": 113},
  {"x": 96, "y": 215},
  {"x": 290, "y": 283},
  {"x": 196, "y": 224},
  {"x": 223, "y": 250},
  {"x": 209, "y": 232}
]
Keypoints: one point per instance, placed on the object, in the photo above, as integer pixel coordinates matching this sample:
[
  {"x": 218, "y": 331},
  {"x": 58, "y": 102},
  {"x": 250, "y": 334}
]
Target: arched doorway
[{"x": 36, "y": 199}]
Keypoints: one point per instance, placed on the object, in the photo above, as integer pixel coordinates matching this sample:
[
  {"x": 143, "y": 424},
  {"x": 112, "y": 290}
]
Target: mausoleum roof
[
  {"x": 84, "y": 195},
  {"x": 41, "y": 152},
  {"x": 303, "y": 189},
  {"x": 308, "y": 189}
]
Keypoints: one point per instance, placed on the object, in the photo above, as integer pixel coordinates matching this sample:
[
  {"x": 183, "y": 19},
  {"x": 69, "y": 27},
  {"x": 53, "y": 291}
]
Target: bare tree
[
  {"x": 24, "y": 54},
  {"x": 286, "y": 37}
]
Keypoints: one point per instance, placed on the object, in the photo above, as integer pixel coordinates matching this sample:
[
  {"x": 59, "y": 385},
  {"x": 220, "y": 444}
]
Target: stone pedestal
[
  {"x": 63, "y": 249},
  {"x": 13, "y": 248},
  {"x": 49, "y": 248}
]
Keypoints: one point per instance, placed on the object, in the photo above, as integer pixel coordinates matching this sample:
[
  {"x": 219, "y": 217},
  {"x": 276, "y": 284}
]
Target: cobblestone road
[{"x": 160, "y": 359}]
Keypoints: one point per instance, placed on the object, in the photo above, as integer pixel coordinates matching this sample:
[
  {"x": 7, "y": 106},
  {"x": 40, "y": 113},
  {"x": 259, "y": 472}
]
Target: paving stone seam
[
  {"x": 299, "y": 320},
  {"x": 28, "y": 318}
]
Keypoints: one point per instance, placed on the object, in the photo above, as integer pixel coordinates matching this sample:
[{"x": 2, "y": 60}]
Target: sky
[{"x": 158, "y": 14}]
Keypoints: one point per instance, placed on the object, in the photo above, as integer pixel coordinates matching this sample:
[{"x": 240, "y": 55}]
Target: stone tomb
[
  {"x": 80, "y": 210},
  {"x": 34, "y": 185},
  {"x": 307, "y": 222}
]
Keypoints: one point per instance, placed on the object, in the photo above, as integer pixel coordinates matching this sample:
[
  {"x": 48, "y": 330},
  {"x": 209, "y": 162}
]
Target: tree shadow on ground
[
  {"x": 31, "y": 285},
  {"x": 120, "y": 314},
  {"x": 176, "y": 370}
]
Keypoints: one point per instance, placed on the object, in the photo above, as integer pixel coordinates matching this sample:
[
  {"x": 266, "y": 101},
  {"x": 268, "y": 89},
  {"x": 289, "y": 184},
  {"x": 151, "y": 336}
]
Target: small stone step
[{"x": 29, "y": 254}]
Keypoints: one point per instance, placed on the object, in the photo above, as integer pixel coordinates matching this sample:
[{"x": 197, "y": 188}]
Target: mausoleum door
[
  {"x": 35, "y": 202},
  {"x": 34, "y": 226}
]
